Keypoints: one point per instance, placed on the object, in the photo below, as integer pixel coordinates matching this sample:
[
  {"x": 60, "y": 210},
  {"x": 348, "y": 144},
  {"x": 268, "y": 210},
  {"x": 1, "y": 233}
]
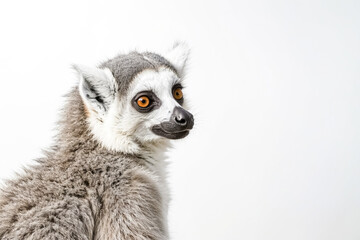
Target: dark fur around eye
[
  {"x": 176, "y": 86},
  {"x": 154, "y": 102}
]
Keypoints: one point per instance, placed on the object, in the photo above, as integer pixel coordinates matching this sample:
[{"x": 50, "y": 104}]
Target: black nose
[{"x": 183, "y": 118}]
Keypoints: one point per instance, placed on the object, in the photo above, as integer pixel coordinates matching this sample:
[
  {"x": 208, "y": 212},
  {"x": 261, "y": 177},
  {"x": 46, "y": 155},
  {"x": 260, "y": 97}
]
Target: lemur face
[
  {"x": 157, "y": 106},
  {"x": 136, "y": 100}
]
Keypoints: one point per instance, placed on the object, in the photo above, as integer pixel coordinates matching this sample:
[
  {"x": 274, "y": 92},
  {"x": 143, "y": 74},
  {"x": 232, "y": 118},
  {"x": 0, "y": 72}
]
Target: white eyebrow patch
[{"x": 156, "y": 81}]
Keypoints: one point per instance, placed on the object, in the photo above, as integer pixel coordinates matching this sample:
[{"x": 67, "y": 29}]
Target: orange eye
[
  {"x": 143, "y": 101},
  {"x": 177, "y": 93}
]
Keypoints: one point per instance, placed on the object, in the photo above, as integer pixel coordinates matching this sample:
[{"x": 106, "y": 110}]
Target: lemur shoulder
[{"x": 104, "y": 177}]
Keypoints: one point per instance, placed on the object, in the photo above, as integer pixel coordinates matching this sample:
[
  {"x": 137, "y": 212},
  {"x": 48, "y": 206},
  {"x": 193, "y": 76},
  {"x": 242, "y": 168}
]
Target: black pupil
[{"x": 143, "y": 101}]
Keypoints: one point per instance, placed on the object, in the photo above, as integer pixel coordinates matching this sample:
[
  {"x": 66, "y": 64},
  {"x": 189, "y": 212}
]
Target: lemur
[{"x": 104, "y": 177}]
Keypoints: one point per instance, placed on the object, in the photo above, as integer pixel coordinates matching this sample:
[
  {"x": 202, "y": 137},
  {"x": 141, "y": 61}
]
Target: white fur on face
[{"x": 125, "y": 129}]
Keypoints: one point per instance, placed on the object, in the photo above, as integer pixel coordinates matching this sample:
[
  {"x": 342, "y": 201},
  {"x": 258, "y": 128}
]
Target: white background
[{"x": 274, "y": 86}]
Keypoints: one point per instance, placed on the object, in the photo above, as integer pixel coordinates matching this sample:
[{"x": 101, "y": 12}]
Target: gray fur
[
  {"x": 126, "y": 67},
  {"x": 81, "y": 190}
]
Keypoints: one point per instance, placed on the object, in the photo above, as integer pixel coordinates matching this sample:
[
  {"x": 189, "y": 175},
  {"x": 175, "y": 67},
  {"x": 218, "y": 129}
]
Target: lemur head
[{"x": 136, "y": 100}]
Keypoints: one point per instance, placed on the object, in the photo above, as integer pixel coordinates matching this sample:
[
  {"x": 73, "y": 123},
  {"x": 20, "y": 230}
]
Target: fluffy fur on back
[{"x": 82, "y": 189}]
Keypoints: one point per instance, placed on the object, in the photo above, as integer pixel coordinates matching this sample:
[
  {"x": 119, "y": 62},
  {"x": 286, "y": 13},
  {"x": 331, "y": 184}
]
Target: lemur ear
[
  {"x": 97, "y": 87},
  {"x": 178, "y": 56}
]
